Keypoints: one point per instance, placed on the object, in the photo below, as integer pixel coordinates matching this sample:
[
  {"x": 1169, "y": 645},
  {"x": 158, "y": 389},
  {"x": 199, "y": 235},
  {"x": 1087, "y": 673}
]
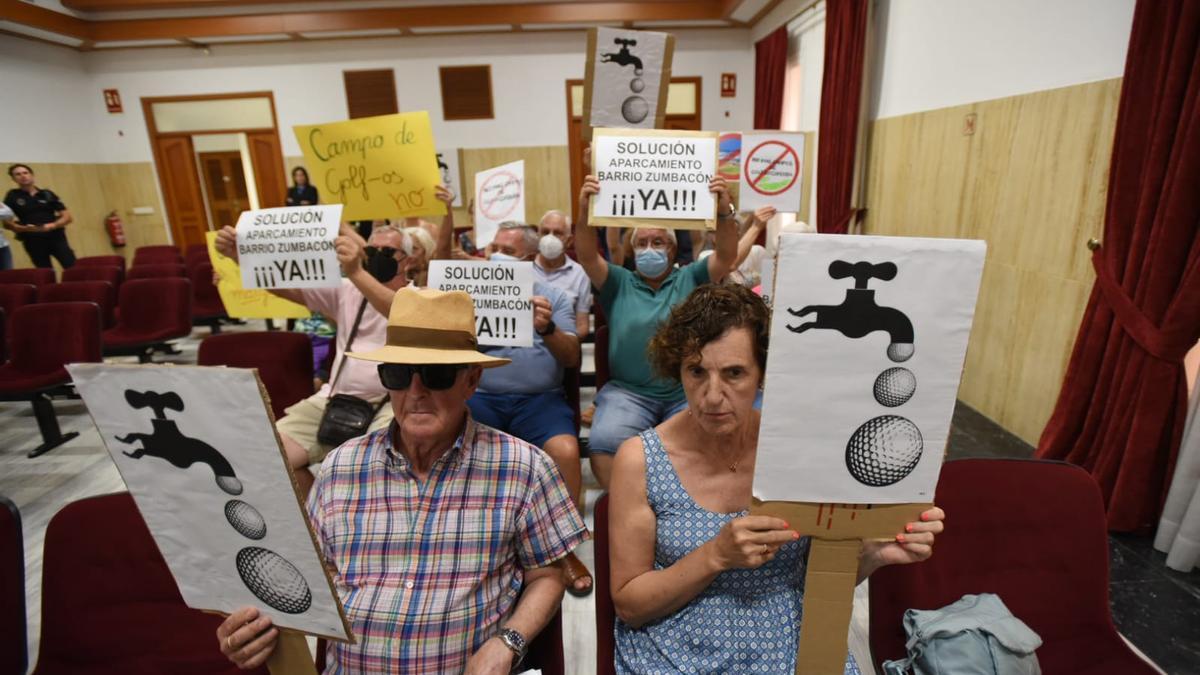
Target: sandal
[{"x": 573, "y": 570}]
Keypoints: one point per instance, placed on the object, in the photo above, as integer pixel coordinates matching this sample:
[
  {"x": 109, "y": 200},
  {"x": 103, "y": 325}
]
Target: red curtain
[
  {"x": 1121, "y": 410},
  {"x": 770, "y": 69},
  {"x": 841, "y": 94}
]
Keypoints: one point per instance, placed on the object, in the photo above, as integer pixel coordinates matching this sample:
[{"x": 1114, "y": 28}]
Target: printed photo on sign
[
  {"x": 198, "y": 451},
  {"x": 729, "y": 161},
  {"x": 627, "y": 75},
  {"x": 502, "y": 293},
  {"x": 771, "y": 168},
  {"x": 868, "y": 337},
  {"x": 447, "y": 161},
  {"x": 499, "y": 197},
  {"x": 377, "y": 167},
  {"x": 661, "y": 175},
  {"x": 289, "y": 247}
]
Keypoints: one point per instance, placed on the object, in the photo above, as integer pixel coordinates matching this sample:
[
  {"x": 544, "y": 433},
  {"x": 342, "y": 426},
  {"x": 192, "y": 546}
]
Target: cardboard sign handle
[
  {"x": 291, "y": 656},
  {"x": 828, "y": 585}
]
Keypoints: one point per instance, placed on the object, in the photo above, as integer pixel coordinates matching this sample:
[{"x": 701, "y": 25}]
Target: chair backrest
[
  {"x": 109, "y": 602},
  {"x": 606, "y": 614},
  {"x": 100, "y": 292},
  {"x": 13, "y": 657},
  {"x": 13, "y": 296},
  {"x": 159, "y": 271},
  {"x": 601, "y": 356},
  {"x": 196, "y": 253},
  {"x": 27, "y": 275},
  {"x": 284, "y": 362},
  {"x": 1032, "y": 532},
  {"x": 158, "y": 307},
  {"x": 155, "y": 255},
  {"x": 206, "y": 300},
  {"x": 110, "y": 273},
  {"x": 101, "y": 261},
  {"x": 43, "y": 338}
]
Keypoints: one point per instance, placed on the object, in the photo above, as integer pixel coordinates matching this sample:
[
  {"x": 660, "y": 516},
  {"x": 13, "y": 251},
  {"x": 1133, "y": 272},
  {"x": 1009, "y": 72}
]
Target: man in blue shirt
[{"x": 525, "y": 398}]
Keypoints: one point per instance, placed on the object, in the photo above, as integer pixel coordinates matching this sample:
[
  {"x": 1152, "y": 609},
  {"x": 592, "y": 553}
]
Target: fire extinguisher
[{"x": 116, "y": 231}]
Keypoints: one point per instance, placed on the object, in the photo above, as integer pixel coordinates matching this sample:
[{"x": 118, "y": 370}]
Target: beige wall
[
  {"x": 90, "y": 192},
  {"x": 1031, "y": 181}
]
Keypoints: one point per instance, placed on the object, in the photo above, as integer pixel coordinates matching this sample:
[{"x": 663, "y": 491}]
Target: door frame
[
  {"x": 207, "y": 184},
  {"x": 172, "y": 215}
]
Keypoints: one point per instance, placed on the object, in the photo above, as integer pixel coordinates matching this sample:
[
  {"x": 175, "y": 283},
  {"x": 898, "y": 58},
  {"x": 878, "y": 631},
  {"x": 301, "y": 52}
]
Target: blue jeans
[
  {"x": 622, "y": 414},
  {"x": 6, "y": 261},
  {"x": 533, "y": 418}
]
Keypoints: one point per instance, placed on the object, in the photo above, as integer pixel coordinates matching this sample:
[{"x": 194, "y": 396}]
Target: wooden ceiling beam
[{"x": 45, "y": 19}]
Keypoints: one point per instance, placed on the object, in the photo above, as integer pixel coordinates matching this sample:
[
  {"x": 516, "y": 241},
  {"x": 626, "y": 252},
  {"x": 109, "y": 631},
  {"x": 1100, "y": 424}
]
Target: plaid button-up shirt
[{"x": 429, "y": 571}]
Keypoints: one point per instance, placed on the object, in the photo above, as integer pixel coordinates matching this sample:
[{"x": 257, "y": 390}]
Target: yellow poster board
[
  {"x": 242, "y": 303},
  {"x": 376, "y": 167}
]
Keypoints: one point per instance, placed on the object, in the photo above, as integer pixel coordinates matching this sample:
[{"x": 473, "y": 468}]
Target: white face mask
[
  {"x": 503, "y": 257},
  {"x": 550, "y": 246}
]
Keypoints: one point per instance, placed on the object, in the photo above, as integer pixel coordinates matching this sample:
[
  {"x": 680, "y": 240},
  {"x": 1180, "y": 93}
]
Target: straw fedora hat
[{"x": 431, "y": 327}]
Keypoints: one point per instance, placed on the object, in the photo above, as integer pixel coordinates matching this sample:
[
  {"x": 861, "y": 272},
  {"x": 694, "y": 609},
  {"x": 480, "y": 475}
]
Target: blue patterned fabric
[{"x": 746, "y": 621}]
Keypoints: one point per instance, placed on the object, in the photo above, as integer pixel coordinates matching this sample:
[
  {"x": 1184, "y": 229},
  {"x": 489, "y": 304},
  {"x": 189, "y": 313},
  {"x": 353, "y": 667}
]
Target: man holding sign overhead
[{"x": 635, "y": 303}]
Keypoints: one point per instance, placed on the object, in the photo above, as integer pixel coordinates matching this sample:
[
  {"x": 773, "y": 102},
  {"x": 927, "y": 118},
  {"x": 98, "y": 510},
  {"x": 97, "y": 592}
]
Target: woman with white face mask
[{"x": 635, "y": 303}]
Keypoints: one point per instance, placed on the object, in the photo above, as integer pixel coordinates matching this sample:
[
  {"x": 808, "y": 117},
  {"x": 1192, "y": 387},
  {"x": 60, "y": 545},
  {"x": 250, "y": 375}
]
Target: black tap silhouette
[
  {"x": 168, "y": 443},
  {"x": 858, "y": 315},
  {"x": 623, "y": 57}
]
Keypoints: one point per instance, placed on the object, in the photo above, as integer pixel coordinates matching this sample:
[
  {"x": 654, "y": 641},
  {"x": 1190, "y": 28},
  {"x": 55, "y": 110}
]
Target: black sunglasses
[
  {"x": 437, "y": 377},
  {"x": 386, "y": 251}
]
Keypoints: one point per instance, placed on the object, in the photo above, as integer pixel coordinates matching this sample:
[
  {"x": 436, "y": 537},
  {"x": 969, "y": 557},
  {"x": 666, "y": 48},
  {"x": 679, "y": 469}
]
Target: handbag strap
[{"x": 349, "y": 341}]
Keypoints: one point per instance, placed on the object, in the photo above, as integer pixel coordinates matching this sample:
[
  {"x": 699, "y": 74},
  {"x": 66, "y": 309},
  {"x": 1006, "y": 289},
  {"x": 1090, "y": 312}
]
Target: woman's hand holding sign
[
  {"x": 749, "y": 542},
  {"x": 913, "y": 545}
]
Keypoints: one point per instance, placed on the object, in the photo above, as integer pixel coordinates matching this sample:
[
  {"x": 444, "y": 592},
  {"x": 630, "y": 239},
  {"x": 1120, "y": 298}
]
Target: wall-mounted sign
[
  {"x": 112, "y": 100},
  {"x": 728, "y": 85}
]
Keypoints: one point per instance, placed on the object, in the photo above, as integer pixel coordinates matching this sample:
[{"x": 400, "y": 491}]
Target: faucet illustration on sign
[
  {"x": 168, "y": 443},
  {"x": 858, "y": 315},
  {"x": 623, "y": 57},
  {"x": 634, "y": 108}
]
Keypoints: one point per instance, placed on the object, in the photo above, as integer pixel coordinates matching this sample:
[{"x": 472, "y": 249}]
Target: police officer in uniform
[{"x": 41, "y": 219}]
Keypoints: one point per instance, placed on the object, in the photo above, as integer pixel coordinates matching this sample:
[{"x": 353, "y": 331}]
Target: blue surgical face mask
[
  {"x": 503, "y": 257},
  {"x": 651, "y": 262}
]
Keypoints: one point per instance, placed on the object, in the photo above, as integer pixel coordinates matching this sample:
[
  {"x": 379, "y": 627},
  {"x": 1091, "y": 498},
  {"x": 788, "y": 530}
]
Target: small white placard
[
  {"x": 503, "y": 296},
  {"x": 289, "y": 247},
  {"x": 499, "y": 197}
]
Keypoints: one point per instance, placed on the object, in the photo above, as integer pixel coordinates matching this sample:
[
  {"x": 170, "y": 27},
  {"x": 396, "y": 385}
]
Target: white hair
[
  {"x": 528, "y": 234},
  {"x": 669, "y": 231},
  {"x": 423, "y": 238},
  {"x": 406, "y": 241},
  {"x": 560, "y": 214}
]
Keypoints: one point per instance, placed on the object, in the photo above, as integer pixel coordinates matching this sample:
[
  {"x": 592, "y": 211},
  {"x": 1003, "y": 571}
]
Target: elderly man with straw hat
[{"x": 441, "y": 532}]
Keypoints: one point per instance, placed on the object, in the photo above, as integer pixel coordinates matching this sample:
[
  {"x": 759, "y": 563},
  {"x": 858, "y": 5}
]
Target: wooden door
[
  {"x": 225, "y": 186},
  {"x": 181, "y": 189},
  {"x": 270, "y": 179},
  {"x": 683, "y": 113}
]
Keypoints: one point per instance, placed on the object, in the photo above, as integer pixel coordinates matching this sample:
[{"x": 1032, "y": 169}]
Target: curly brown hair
[{"x": 706, "y": 314}]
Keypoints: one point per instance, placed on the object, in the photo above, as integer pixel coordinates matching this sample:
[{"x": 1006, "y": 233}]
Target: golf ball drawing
[
  {"x": 637, "y": 84},
  {"x": 884, "y": 450},
  {"x": 274, "y": 580},
  {"x": 245, "y": 519},
  {"x": 230, "y": 484},
  {"x": 899, "y": 352},
  {"x": 635, "y": 109},
  {"x": 895, "y": 386}
]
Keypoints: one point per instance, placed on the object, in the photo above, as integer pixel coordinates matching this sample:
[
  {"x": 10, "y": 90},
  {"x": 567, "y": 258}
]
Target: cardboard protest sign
[
  {"x": 290, "y": 247},
  {"x": 499, "y": 197},
  {"x": 657, "y": 178},
  {"x": 246, "y": 303},
  {"x": 868, "y": 337},
  {"x": 772, "y": 163},
  {"x": 626, "y": 79},
  {"x": 447, "y": 161},
  {"x": 197, "y": 448},
  {"x": 502, "y": 292},
  {"x": 377, "y": 167}
]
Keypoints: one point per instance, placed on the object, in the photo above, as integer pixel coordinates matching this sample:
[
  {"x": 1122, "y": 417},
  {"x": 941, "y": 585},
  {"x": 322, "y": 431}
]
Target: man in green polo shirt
[{"x": 635, "y": 303}]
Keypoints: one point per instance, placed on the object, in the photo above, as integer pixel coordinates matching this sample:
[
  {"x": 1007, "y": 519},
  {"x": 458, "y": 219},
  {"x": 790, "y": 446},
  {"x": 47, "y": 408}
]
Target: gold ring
[
  {"x": 765, "y": 549},
  {"x": 229, "y": 642}
]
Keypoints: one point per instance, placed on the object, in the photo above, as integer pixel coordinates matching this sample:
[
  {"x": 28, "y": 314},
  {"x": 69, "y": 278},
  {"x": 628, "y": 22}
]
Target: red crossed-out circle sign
[
  {"x": 506, "y": 184},
  {"x": 776, "y": 151}
]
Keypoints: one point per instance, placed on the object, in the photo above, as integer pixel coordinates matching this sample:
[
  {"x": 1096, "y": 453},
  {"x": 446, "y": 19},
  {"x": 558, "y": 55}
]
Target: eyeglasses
[
  {"x": 387, "y": 251},
  {"x": 438, "y": 377}
]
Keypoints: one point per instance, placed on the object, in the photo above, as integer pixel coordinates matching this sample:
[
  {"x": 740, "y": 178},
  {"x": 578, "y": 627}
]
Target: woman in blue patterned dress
[{"x": 699, "y": 585}]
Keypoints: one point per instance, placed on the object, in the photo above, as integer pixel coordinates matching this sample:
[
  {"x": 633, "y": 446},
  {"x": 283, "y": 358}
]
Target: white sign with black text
[
  {"x": 289, "y": 247},
  {"x": 772, "y": 164},
  {"x": 868, "y": 338},
  {"x": 654, "y": 175},
  {"x": 499, "y": 197},
  {"x": 503, "y": 296}
]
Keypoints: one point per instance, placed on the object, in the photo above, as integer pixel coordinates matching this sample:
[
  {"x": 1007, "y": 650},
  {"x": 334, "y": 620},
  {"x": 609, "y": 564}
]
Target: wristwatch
[
  {"x": 550, "y": 328},
  {"x": 515, "y": 642},
  {"x": 731, "y": 213}
]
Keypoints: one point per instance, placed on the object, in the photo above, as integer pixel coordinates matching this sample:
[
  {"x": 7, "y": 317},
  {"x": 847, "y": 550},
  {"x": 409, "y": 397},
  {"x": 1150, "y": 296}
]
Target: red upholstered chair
[
  {"x": 45, "y": 338},
  {"x": 100, "y": 292},
  {"x": 153, "y": 311},
  {"x": 13, "y": 296},
  {"x": 207, "y": 308},
  {"x": 196, "y": 253},
  {"x": 284, "y": 362},
  {"x": 110, "y": 273},
  {"x": 606, "y": 614},
  {"x": 160, "y": 271},
  {"x": 101, "y": 261},
  {"x": 27, "y": 275},
  {"x": 13, "y": 657},
  {"x": 156, "y": 255},
  {"x": 1033, "y": 533},
  {"x": 109, "y": 603}
]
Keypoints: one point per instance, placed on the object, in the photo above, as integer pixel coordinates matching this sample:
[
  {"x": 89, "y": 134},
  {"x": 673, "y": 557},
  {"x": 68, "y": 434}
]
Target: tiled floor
[{"x": 1156, "y": 608}]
